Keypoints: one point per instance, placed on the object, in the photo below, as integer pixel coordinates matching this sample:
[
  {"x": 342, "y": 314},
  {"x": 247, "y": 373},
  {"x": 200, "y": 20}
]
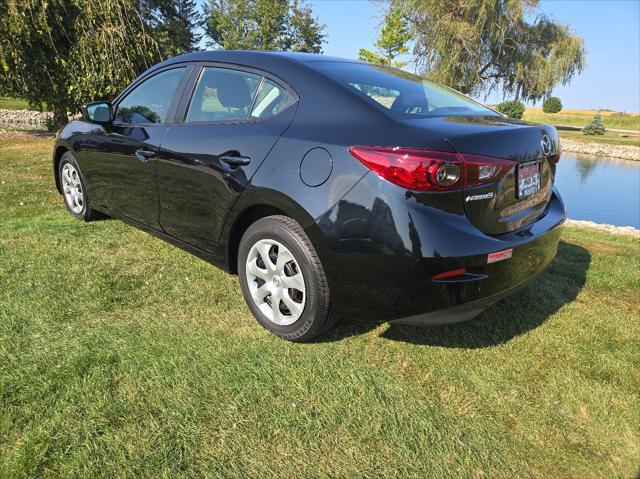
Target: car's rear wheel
[
  {"x": 74, "y": 191},
  {"x": 283, "y": 281}
]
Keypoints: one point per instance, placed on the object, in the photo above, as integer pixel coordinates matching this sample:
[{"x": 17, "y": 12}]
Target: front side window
[
  {"x": 403, "y": 94},
  {"x": 222, "y": 95},
  {"x": 149, "y": 102}
]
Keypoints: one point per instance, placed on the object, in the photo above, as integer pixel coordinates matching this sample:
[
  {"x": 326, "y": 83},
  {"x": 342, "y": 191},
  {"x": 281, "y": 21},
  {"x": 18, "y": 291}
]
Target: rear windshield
[{"x": 403, "y": 94}]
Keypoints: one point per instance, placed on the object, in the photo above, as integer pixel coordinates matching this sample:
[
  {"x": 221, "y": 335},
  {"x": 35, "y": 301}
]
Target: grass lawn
[
  {"x": 121, "y": 356},
  {"x": 8, "y": 103},
  {"x": 611, "y": 119},
  {"x": 609, "y": 138}
]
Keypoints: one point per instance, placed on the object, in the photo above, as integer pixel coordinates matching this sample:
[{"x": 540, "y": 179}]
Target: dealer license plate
[{"x": 528, "y": 178}]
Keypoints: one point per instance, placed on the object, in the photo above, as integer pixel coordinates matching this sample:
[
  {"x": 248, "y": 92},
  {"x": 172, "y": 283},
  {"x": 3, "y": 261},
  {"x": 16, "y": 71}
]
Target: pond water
[{"x": 604, "y": 190}]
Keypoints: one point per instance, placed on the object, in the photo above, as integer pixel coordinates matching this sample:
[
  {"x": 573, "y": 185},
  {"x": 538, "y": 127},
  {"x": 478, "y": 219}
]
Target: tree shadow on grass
[{"x": 521, "y": 312}]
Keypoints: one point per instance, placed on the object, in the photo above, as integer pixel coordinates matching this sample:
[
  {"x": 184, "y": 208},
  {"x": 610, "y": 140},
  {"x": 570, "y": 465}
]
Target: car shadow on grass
[{"x": 511, "y": 317}]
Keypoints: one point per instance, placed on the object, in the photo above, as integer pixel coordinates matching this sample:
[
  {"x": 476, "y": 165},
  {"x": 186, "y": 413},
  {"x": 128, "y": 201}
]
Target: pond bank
[
  {"x": 620, "y": 230},
  {"x": 626, "y": 152}
]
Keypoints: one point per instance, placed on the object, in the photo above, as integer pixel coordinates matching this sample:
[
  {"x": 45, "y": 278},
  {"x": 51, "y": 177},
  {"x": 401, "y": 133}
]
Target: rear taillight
[
  {"x": 426, "y": 170},
  {"x": 480, "y": 170},
  {"x": 412, "y": 169}
]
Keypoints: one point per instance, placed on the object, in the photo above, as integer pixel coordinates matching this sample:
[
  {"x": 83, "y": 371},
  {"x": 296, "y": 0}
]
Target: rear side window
[
  {"x": 222, "y": 95},
  {"x": 149, "y": 102},
  {"x": 271, "y": 100},
  {"x": 403, "y": 94}
]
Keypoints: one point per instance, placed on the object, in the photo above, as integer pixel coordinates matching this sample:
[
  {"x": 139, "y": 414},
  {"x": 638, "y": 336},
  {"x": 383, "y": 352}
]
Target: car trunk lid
[{"x": 519, "y": 197}]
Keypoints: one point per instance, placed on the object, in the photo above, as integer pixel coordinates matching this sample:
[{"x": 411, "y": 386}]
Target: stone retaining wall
[
  {"x": 34, "y": 120},
  {"x": 627, "y": 152}
]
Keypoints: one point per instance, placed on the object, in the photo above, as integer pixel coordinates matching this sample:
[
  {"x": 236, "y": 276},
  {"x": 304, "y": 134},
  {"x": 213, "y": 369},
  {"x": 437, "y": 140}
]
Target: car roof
[{"x": 242, "y": 56}]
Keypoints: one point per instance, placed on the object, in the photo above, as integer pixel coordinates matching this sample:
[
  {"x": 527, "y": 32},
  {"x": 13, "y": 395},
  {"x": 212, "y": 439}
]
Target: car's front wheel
[
  {"x": 283, "y": 281},
  {"x": 74, "y": 190}
]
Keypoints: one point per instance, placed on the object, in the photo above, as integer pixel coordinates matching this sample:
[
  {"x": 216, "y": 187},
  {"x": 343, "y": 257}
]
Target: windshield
[{"x": 403, "y": 94}]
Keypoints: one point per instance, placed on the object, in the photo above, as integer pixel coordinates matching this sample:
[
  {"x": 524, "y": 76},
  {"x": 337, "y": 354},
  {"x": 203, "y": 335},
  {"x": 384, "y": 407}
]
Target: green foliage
[
  {"x": 305, "y": 33},
  {"x": 552, "y": 105},
  {"x": 263, "y": 25},
  {"x": 391, "y": 43},
  {"x": 63, "y": 53},
  {"x": 371, "y": 57},
  {"x": 513, "y": 108},
  {"x": 485, "y": 45},
  {"x": 172, "y": 23},
  {"x": 48, "y": 124},
  {"x": 595, "y": 126}
]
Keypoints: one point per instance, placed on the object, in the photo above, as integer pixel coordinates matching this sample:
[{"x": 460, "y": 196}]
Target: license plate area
[{"x": 528, "y": 179}]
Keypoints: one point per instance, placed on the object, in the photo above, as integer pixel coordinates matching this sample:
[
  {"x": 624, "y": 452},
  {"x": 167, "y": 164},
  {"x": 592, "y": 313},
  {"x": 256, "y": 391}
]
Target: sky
[{"x": 610, "y": 29}]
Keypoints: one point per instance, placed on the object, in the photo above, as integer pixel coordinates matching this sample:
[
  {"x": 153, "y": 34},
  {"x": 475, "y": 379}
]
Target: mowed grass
[
  {"x": 122, "y": 356},
  {"x": 610, "y": 119},
  {"x": 9, "y": 103},
  {"x": 609, "y": 138}
]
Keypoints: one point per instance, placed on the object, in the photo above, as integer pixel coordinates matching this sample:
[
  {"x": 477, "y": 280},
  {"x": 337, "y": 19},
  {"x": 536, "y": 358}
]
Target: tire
[
  {"x": 74, "y": 190},
  {"x": 299, "y": 317}
]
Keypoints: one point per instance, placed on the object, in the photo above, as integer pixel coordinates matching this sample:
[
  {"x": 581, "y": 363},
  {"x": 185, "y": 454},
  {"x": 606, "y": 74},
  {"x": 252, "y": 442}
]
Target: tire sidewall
[
  {"x": 276, "y": 231},
  {"x": 67, "y": 157}
]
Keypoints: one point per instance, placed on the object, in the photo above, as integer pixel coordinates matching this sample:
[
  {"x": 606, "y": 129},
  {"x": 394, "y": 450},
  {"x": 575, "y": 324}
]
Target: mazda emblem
[{"x": 547, "y": 146}]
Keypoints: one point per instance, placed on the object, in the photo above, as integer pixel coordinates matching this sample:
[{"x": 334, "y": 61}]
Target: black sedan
[{"x": 333, "y": 188}]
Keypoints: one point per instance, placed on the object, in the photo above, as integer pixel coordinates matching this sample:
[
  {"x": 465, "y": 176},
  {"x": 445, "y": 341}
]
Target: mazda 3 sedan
[{"x": 333, "y": 188}]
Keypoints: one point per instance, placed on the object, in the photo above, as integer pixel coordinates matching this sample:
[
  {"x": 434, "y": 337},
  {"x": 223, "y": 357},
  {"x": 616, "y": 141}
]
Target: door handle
[
  {"x": 144, "y": 155},
  {"x": 235, "y": 160}
]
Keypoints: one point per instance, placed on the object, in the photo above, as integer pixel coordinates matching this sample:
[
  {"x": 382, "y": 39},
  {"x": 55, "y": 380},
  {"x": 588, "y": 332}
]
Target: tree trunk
[{"x": 60, "y": 117}]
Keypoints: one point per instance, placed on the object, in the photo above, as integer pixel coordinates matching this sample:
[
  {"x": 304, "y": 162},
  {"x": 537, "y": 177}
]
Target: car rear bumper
[
  {"x": 380, "y": 266},
  {"x": 485, "y": 284},
  {"x": 461, "y": 312}
]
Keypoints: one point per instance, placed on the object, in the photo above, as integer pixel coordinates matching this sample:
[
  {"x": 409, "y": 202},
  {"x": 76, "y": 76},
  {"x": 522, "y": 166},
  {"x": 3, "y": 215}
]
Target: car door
[
  {"x": 122, "y": 156},
  {"x": 228, "y": 123}
]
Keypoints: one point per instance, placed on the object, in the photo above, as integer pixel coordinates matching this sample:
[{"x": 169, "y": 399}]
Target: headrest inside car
[{"x": 233, "y": 91}]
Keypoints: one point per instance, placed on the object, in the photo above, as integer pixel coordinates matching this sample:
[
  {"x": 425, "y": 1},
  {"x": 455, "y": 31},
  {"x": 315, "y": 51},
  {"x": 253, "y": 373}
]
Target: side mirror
[{"x": 98, "y": 112}]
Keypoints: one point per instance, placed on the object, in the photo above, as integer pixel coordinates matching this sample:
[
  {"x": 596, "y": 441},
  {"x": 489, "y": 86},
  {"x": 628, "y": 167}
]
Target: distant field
[{"x": 611, "y": 119}]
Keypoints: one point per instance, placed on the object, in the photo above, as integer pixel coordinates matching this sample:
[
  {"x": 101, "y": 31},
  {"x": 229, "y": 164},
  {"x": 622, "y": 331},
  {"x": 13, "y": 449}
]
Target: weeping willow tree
[
  {"x": 476, "y": 46},
  {"x": 62, "y": 53}
]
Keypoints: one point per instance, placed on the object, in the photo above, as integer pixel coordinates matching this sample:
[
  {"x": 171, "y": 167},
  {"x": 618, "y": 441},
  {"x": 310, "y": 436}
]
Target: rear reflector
[
  {"x": 427, "y": 170},
  {"x": 454, "y": 273},
  {"x": 499, "y": 255}
]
